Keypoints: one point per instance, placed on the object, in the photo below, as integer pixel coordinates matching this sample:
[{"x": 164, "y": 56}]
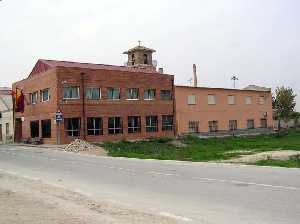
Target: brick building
[{"x": 98, "y": 102}]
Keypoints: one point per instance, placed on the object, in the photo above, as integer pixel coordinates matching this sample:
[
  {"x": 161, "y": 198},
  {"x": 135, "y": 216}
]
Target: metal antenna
[
  {"x": 234, "y": 79},
  {"x": 139, "y": 43}
]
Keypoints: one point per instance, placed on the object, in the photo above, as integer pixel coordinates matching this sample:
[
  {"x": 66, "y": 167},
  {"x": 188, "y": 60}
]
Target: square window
[
  {"x": 115, "y": 125},
  {"x": 211, "y": 99},
  {"x": 167, "y": 122},
  {"x": 151, "y": 124},
  {"x": 72, "y": 127},
  {"x": 166, "y": 95},
  {"x": 233, "y": 125},
  {"x": 262, "y": 100},
  {"x": 93, "y": 93},
  {"x": 191, "y": 100},
  {"x": 95, "y": 126},
  {"x": 231, "y": 100},
  {"x": 250, "y": 124},
  {"x": 71, "y": 93},
  {"x": 113, "y": 93},
  {"x": 248, "y": 100},
  {"x": 193, "y": 126},
  {"x": 133, "y": 94},
  {"x": 149, "y": 94},
  {"x": 134, "y": 124},
  {"x": 213, "y": 126}
]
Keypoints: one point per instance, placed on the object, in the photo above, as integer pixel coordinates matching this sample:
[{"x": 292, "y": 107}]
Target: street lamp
[{"x": 234, "y": 78}]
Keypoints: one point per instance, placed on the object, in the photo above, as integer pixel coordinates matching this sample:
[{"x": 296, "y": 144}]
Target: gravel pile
[{"x": 79, "y": 145}]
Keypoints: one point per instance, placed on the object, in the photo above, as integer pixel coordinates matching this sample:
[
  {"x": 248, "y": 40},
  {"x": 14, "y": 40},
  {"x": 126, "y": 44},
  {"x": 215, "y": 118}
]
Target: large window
[
  {"x": 73, "y": 126},
  {"x": 192, "y": 100},
  {"x": 95, "y": 126},
  {"x": 34, "y": 97},
  {"x": 231, "y": 100},
  {"x": 166, "y": 94},
  {"x": 134, "y": 124},
  {"x": 34, "y": 129},
  {"x": 193, "y": 126},
  {"x": 45, "y": 95},
  {"x": 71, "y": 92},
  {"x": 263, "y": 123},
  {"x": 133, "y": 94},
  {"x": 46, "y": 128},
  {"x": 167, "y": 122},
  {"x": 250, "y": 124},
  {"x": 151, "y": 124},
  {"x": 115, "y": 125},
  {"x": 93, "y": 93},
  {"x": 149, "y": 94},
  {"x": 211, "y": 99},
  {"x": 232, "y": 125},
  {"x": 113, "y": 93},
  {"x": 213, "y": 126}
]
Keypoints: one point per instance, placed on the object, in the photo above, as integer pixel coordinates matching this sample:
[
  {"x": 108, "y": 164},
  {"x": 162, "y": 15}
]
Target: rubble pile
[{"x": 79, "y": 145}]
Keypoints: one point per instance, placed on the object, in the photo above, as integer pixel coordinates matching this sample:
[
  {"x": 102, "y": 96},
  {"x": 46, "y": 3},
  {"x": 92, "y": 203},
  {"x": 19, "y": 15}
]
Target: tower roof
[{"x": 139, "y": 48}]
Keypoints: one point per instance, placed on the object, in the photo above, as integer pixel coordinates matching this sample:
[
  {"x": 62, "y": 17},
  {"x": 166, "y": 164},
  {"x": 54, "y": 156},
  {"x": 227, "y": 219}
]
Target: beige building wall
[
  {"x": 222, "y": 105},
  {"x": 6, "y": 117}
]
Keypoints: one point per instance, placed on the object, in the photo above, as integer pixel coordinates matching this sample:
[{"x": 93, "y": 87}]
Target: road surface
[{"x": 182, "y": 191}]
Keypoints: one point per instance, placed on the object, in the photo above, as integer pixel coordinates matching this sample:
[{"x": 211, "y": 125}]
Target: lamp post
[{"x": 234, "y": 78}]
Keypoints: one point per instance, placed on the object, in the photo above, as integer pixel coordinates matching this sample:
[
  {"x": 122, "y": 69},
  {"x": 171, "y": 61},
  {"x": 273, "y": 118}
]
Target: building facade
[
  {"x": 6, "y": 116},
  {"x": 97, "y": 102},
  {"x": 217, "y": 110}
]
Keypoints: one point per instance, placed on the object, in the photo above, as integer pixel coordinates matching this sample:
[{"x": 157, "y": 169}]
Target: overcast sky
[{"x": 258, "y": 40}]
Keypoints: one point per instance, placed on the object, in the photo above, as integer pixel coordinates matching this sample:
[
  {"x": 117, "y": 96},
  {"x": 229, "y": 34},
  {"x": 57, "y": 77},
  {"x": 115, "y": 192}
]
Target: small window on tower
[
  {"x": 132, "y": 59},
  {"x": 145, "y": 59}
]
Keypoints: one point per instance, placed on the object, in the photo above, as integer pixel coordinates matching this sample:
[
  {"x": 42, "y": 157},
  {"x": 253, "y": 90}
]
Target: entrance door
[{"x": 18, "y": 130}]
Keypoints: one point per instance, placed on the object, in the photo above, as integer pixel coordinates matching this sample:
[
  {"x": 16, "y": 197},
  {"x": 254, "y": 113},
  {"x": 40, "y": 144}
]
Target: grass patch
[
  {"x": 197, "y": 149},
  {"x": 293, "y": 162}
]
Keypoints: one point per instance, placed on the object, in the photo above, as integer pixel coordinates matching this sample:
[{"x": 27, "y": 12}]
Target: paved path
[{"x": 188, "y": 192}]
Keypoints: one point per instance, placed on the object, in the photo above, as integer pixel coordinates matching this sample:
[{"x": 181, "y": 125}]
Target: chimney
[
  {"x": 195, "y": 75},
  {"x": 161, "y": 70}
]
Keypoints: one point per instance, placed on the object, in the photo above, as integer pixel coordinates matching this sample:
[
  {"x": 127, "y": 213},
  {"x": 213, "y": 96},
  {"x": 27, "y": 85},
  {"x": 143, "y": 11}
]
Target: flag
[{"x": 19, "y": 100}]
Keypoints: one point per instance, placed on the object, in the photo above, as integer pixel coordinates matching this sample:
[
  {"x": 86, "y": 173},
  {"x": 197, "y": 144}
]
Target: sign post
[{"x": 58, "y": 118}]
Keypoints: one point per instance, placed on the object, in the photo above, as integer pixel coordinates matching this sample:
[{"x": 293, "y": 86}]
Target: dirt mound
[{"x": 79, "y": 145}]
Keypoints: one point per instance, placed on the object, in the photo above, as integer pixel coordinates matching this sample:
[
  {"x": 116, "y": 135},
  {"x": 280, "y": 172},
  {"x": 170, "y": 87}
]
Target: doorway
[{"x": 18, "y": 130}]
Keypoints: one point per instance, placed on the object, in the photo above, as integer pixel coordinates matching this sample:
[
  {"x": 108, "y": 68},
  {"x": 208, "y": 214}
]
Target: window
[
  {"x": 191, "y": 100},
  {"x": 250, "y": 124},
  {"x": 134, "y": 124},
  {"x": 231, "y": 100},
  {"x": 262, "y": 100},
  {"x": 166, "y": 95},
  {"x": 115, "y": 125},
  {"x": 248, "y": 100},
  {"x": 34, "y": 98},
  {"x": 93, "y": 93},
  {"x": 46, "y": 128},
  {"x": 133, "y": 94},
  {"x": 232, "y": 125},
  {"x": 213, "y": 126},
  {"x": 95, "y": 126},
  {"x": 145, "y": 59},
  {"x": 44, "y": 95},
  {"x": 263, "y": 123},
  {"x": 71, "y": 92},
  {"x": 113, "y": 93},
  {"x": 73, "y": 126},
  {"x": 34, "y": 129},
  {"x": 167, "y": 122},
  {"x": 211, "y": 99},
  {"x": 149, "y": 94},
  {"x": 7, "y": 129},
  {"x": 193, "y": 126},
  {"x": 151, "y": 124}
]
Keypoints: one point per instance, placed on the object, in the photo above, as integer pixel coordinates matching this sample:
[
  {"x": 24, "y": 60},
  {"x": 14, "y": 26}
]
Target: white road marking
[{"x": 180, "y": 218}]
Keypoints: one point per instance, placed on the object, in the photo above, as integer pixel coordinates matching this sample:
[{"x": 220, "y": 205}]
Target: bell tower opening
[{"x": 140, "y": 56}]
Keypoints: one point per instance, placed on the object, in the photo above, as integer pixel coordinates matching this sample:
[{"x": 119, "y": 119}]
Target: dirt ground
[
  {"x": 276, "y": 155},
  {"x": 24, "y": 201}
]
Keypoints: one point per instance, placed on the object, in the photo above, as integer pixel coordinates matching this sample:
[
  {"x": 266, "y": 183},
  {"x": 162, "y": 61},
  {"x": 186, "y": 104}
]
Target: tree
[{"x": 284, "y": 103}]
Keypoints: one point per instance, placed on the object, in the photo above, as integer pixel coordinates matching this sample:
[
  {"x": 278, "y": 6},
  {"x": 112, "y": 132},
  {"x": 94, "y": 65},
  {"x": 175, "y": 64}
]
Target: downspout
[
  {"x": 83, "y": 106},
  {"x": 174, "y": 108}
]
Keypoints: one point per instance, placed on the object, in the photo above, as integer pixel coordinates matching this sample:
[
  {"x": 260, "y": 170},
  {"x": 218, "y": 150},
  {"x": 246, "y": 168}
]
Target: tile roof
[{"x": 43, "y": 65}]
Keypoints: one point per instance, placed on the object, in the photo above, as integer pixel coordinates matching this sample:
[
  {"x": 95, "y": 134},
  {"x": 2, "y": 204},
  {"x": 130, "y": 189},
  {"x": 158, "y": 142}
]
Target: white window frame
[
  {"x": 130, "y": 89},
  {"x": 148, "y": 94},
  {"x": 71, "y": 98},
  {"x": 94, "y": 129},
  {"x": 32, "y": 97},
  {"x": 136, "y": 128},
  {"x": 93, "y": 88},
  {"x": 152, "y": 125},
  {"x": 42, "y": 95},
  {"x": 211, "y": 99},
  {"x": 192, "y": 99},
  {"x": 114, "y": 128},
  {"x": 113, "y": 88}
]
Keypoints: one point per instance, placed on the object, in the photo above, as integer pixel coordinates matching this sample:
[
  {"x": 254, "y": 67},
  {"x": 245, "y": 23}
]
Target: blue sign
[{"x": 58, "y": 116}]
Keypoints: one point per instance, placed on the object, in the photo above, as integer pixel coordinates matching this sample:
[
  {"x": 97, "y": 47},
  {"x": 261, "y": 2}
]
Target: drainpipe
[{"x": 83, "y": 105}]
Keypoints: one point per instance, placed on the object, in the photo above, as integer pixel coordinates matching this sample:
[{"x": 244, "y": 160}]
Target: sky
[{"x": 258, "y": 41}]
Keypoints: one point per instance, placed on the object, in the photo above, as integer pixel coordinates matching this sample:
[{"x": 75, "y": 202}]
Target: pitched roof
[
  {"x": 139, "y": 48},
  {"x": 44, "y": 65}
]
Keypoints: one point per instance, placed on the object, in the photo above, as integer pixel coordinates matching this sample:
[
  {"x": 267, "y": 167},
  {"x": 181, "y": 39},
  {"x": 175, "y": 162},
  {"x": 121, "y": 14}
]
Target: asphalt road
[{"x": 188, "y": 192}]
